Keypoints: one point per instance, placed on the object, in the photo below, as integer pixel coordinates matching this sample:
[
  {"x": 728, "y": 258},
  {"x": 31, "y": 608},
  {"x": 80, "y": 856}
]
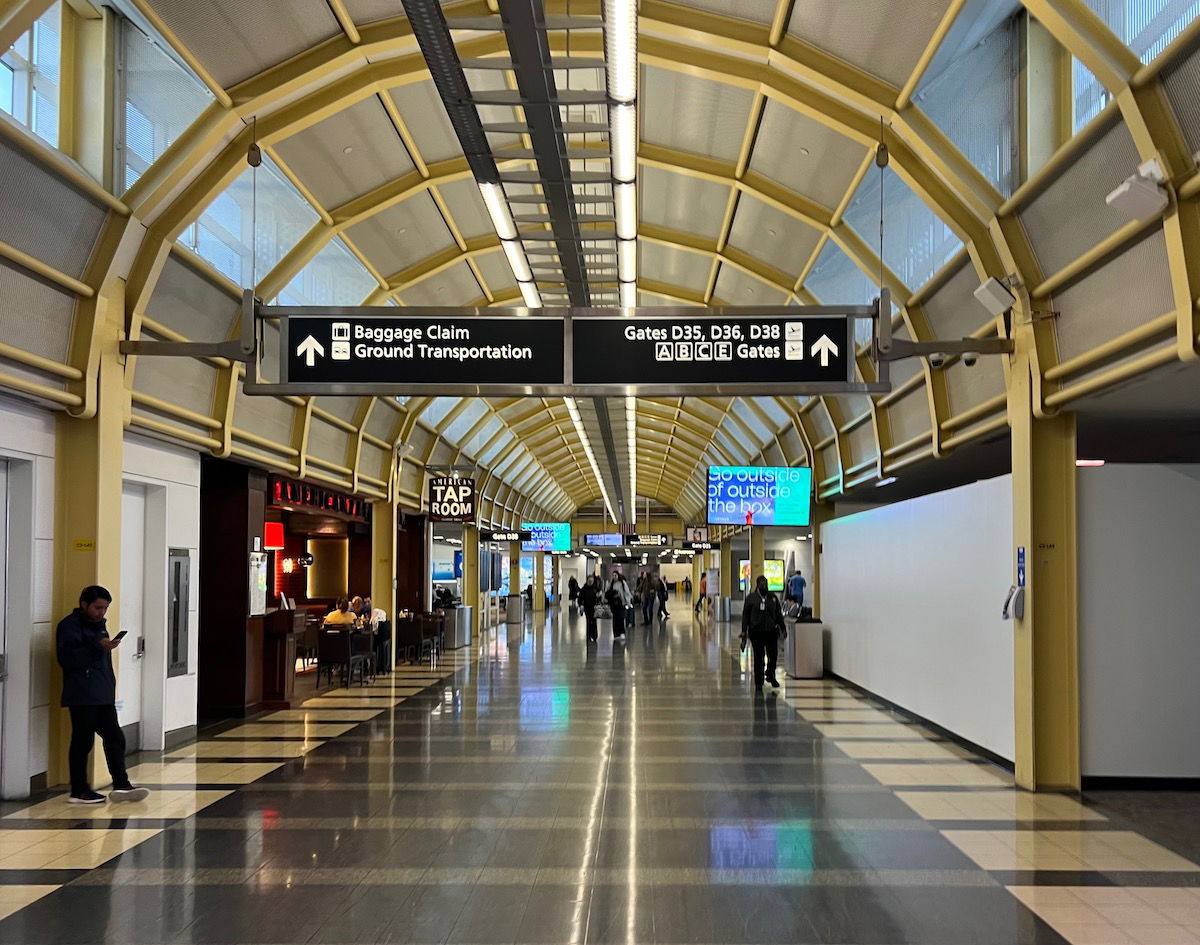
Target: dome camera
[
  {"x": 970, "y": 358},
  {"x": 937, "y": 359}
]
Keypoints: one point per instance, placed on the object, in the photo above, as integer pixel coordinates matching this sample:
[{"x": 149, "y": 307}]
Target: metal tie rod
[
  {"x": 563, "y": 97},
  {"x": 568, "y": 127},
  {"x": 505, "y": 63},
  {"x": 496, "y": 24}
]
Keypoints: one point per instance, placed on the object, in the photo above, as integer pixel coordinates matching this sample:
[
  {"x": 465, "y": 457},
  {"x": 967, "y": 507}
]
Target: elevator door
[{"x": 130, "y": 607}]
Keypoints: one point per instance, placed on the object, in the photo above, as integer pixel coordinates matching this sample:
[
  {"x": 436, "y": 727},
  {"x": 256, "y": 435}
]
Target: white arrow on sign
[
  {"x": 824, "y": 347},
  {"x": 308, "y": 348}
]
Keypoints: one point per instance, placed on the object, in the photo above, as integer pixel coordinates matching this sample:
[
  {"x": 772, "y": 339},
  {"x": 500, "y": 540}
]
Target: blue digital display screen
[
  {"x": 759, "y": 495},
  {"x": 605, "y": 540},
  {"x": 547, "y": 536}
]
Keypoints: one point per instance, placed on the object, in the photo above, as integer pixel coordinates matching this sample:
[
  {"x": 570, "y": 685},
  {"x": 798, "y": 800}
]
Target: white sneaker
[{"x": 129, "y": 794}]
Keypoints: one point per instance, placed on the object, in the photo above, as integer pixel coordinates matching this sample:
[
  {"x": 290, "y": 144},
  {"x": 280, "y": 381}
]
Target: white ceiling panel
[
  {"x": 734, "y": 287},
  {"x": 756, "y": 11},
  {"x": 402, "y": 235},
  {"x": 235, "y": 40},
  {"x": 883, "y": 37},
  {"x": 425, "y": 116},
  {"x": 824, "y": 174},
  {"x": 676, "y": 267},
  {"x": 466, "y": 208},
  {"x": 318, "y": 155},
  {"x": 453, "y": 286},
  {"x": 496, "y": 272},
  {"x": 695, "y": 115},
  {"x": 368, "y": 11},
  {"x": 678, "y": 202},
  {"x": 771, "y": 235}
]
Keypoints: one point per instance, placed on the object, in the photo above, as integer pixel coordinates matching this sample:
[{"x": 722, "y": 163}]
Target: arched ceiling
[{"x": 757, "y": 119}]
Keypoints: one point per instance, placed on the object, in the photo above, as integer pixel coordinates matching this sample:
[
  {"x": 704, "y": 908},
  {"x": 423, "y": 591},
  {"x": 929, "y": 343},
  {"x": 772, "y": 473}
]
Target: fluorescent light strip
[
  {"x": 622, "y": 136},
  {"x": 529, "y": 291},
  {"x": 631, "y": 439},
  {"x": 629, "y": 295},
  {"x": 627, "y": 260},
  {"x": 625, "y": 196},
  {"x": 573, "y": 410},
  {"x": 620, "y": 49},
  {"x": 497, "y": 207},
  {"x": 516, "y": 259}
]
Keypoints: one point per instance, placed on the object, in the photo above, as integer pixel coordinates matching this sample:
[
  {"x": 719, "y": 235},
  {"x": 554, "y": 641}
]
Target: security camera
[
  {"x": 937, "y": 359},
  {"x": 970, "y": 358}
]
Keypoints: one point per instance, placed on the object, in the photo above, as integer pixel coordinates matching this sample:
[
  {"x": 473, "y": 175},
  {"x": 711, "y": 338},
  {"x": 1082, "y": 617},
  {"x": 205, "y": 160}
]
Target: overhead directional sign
[
  {"x": 401, "y": 350},
  {"x": 743, "y": 350},
  {"x": 673, "y": 351},
  {"x": 517, "y": 535}
]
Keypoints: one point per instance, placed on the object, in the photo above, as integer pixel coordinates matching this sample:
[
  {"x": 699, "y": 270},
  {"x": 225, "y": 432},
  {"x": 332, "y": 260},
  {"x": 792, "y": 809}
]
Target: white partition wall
[
  {"x": 913, "y": 592},
  {"x": 1139, "y": 636}
]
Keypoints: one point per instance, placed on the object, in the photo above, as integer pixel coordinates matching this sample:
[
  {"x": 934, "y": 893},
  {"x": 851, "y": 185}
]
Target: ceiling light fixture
[
  {"x": 1089, "y": 462},
  {"x": 628, "y": 295},
  {"x": 581, "y": 432},
  {"x": 627, "y": 260},
  {"x": 497, "y": 207},
  {"x": 631, "y": 443},
  {"x": 625, "y": 199},
  {"x": 529, "y": 292},
  {"x": 621, "y": 74},
  {"x": 516, "y": 259}
]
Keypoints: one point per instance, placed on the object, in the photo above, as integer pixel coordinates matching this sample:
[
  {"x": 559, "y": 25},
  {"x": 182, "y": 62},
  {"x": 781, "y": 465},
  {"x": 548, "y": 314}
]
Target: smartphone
[{"x": 120, "y": 636}]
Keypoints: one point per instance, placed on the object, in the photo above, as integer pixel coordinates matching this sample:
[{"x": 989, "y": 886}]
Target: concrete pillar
[
  {"x": 470, "y": 578},
  {"x": 727, "y": 566},
  {"x": 1046, "y": 658},
  {"x": 758, "y": 554},
  {"x": 539, "y": 582},
  {"x": 87, "y": 527},
  {"x": 383, "y": 561},
  {"x": 514, "y": 568}
]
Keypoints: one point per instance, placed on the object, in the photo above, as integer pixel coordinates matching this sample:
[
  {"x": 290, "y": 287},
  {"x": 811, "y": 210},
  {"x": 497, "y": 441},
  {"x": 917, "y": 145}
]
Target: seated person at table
[
  {"x": 367, "y": 612},
  {"x": 341, "y": 616}
]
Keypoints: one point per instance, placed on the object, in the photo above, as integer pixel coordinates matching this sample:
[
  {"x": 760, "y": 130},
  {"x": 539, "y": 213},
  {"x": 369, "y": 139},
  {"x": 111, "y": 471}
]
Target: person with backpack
[
  {"x": 620, "y": 600},
  {"x": 795, "y": 591},
  {"x": 589, "y": 597},
  {"x": 763, "y": 626}
]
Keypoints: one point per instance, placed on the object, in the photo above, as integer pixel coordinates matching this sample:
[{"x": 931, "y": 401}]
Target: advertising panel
[
  {"x": 773, "y": 569},
  {"x": 605, "y": 540},
  {"x": 759, "y": 495},
  {"x": 547, "y": 536}
]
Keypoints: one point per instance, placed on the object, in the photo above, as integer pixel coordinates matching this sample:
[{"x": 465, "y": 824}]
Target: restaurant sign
[{"x": 451, "y": 499}]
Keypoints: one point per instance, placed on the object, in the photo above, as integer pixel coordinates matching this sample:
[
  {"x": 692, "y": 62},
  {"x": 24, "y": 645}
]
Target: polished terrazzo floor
[{"x": 533, "y": 789}]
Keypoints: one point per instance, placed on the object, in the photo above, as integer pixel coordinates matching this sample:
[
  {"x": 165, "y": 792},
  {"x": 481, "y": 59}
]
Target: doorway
[{"x": 132, "y": 608}]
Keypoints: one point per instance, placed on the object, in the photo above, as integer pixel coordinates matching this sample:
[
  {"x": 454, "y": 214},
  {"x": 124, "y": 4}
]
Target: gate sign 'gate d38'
[{"x": 451, "y": 499}]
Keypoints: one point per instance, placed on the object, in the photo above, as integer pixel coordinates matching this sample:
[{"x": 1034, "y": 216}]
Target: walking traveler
[
  {"x": 702, "y": 597},
  {"x": 620, "y": 600},
  {"x": 762, "y": 624},
  {"x": 589, "y": 597},
  {"x": 660, "y": 595},
  {"x": 84, "y": 652},
  {"x": 795, "y": 590},
  {"x": 572, "y": 592}
]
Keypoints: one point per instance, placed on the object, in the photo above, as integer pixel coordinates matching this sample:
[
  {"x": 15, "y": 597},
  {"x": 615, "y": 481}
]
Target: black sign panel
[
  {"x": 645, "y": 541},
  {"x": 507, "y": 536},
  {"x": 701, "y": 545},
  {"x": 377, "y": 350},
  {"x": 451, "y": 499},
  {"x": 744, "y": 350}
]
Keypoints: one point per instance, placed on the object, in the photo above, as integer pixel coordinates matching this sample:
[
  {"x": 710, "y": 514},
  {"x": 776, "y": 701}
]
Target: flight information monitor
[{"x": 759, "y": 495}]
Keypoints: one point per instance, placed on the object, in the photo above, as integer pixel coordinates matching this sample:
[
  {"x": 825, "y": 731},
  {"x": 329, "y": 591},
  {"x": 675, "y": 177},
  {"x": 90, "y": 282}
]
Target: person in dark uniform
[
  {"x": 90, "y": 694},
  {"x": 762, "y": 624},
  {"x": 589, "y": 597}
]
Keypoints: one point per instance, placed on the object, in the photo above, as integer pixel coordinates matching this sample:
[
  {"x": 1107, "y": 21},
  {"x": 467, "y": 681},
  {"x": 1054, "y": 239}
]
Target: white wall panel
[
  {"x": 1138, "y": 645},
  {"x": 912, "y": 594}
]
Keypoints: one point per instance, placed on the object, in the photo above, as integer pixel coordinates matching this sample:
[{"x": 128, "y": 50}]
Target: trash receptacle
[
  {"x": 721, "y": 607},
  {"x": 460, "y": 632},
  {"x": 514, "y": 609},
  {"x": 804, "y": 656}
]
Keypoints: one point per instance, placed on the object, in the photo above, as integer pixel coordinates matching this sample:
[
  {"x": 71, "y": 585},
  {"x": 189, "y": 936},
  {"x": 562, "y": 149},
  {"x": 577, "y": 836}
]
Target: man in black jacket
[
  {"x": 762, "y": 622},
  {"x": 90, "y": 694}
]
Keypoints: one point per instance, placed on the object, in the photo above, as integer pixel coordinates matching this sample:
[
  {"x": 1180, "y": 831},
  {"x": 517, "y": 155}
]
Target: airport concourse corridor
[{"x": 534, "y": 789}]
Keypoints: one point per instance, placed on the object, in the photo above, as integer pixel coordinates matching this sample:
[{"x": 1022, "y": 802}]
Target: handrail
[
  {"x": 54, "y": 394},
  {"x": 45, "y": 270},
  {"x": 29, "y": 359}
]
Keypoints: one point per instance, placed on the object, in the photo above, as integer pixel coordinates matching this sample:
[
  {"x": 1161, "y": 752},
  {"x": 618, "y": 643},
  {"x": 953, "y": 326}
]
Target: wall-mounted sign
[
  {"x": 293, "y": 494},
  {"x": 519, "y": 535},
  {"x": 343, "y": 348},
  {"x": 451, "y": 499},
  {"x": 604, "y": 540},
  {"x": 696, "y": 533},
  {"x": 646, "y": 541},
  {"x": 753, "y": 349}
]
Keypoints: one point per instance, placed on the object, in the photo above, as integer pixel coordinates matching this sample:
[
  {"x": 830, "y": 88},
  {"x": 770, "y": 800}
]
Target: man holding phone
[{"x": 90, "y": 694}]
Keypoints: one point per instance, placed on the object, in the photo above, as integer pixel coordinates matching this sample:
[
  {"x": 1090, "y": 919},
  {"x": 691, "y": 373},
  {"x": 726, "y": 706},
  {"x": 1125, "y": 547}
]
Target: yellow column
[
  {"x": 822, "y": 512},
  {"x": 758, "y": 554},
  {"x": 383, "y": 561},
  {"x": 1046, "y": 663},
  {"x": 727, "y": 578},
  {"x": 514, "y": 568},
  {"x": 470, "y": 578},
  {"x": 87, "y": 527},
  {"x": 697, "y": 570},
  {"x": 539, "y": 582}
]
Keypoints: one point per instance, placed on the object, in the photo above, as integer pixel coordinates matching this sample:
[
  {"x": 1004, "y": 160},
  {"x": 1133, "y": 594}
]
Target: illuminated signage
[
  {"x": 759, "y": 495},
  {"x": 547, "y": 536},
  {"x": 506, "y": 536},
  {"x": 451, "y": 499}
]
